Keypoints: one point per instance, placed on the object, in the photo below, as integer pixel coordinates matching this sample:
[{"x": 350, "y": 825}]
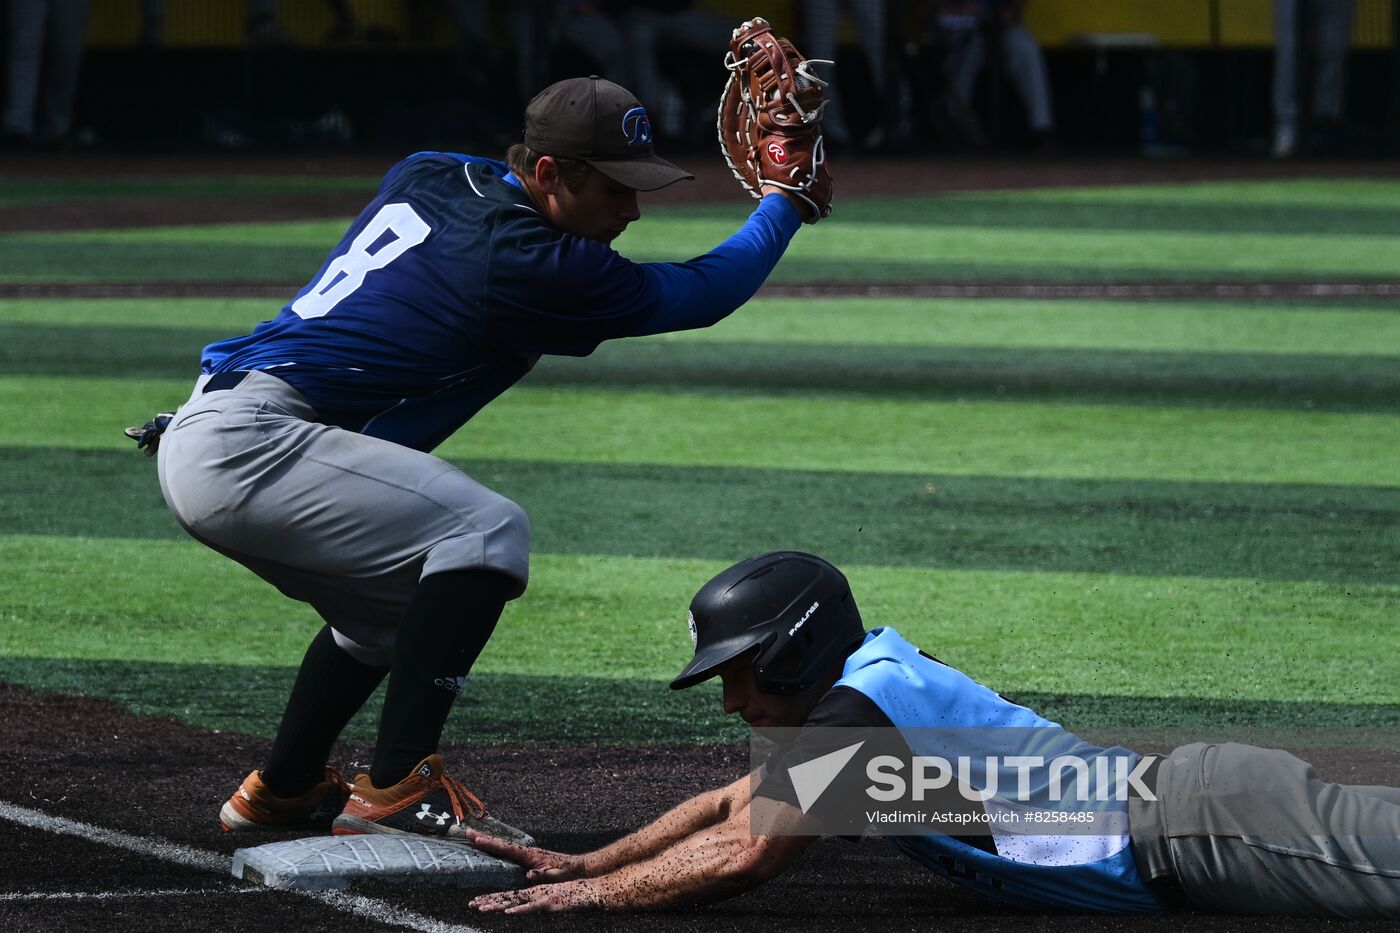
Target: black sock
[
  {"x": 447, "y": 624},
  {"x": 330, "y": 688}
]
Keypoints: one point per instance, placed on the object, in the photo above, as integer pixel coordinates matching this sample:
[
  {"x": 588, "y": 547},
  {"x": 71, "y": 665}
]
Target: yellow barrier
[{"x": 1173, "y": 23}]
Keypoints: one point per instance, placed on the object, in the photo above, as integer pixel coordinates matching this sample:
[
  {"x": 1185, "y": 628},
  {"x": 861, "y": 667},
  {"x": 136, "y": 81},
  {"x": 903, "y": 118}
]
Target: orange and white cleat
[
  {"x": 429, "y": 802},
  {"x": 253, "y": 806}
]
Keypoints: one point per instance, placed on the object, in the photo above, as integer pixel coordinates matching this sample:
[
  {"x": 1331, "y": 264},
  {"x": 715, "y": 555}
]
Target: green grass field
[
  {"x": 1123, "y": 513},
  {"x": 1219, "y": 230}
]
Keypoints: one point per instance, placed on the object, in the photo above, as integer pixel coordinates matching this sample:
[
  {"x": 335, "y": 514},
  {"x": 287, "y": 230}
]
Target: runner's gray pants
[{"x": 1255, "y": 830}]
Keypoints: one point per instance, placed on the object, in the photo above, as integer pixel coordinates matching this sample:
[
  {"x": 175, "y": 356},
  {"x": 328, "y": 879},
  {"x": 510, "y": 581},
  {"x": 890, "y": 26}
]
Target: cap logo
[
  {"x": 694, "y": 633},
  {"x": 777, "y": 153},
  {"x": 636, "y": 126}
]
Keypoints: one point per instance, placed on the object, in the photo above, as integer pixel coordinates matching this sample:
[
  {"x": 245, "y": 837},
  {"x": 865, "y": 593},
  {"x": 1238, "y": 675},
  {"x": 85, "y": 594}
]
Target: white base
[{"x": 333, "y": 863}]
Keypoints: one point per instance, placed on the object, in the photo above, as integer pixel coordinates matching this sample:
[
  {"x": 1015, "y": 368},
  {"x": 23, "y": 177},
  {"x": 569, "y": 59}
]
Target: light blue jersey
[
  {"x": 923, "y": 696},
  {"x": 941, "y": 712}
]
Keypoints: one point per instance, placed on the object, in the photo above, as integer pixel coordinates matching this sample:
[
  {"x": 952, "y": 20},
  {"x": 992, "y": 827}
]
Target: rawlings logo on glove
[{"x": 770, "y": 118}]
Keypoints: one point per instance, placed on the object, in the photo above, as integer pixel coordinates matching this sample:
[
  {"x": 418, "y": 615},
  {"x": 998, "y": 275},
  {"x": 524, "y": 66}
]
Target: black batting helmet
[{"x": 795, "y": 608}]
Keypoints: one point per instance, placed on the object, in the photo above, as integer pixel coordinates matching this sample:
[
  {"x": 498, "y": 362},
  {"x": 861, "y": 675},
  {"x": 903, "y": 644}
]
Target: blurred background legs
[
  {"x": 654, "y": 33},
  {"x": 1311, "y": 40},
  {"x": 44, "y": 51},
  {"x": 869, "y": 21}
]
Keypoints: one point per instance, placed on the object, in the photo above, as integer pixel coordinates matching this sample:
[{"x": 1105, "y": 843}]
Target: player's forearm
[
  {"x": 705, "y": 867},
  {"x": 705, "y": 290},
  {"x": 710, "y": 864},
  {"x": 685, "y": 820}
]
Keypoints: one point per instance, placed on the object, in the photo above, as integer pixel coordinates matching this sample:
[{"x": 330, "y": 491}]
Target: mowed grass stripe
[
  {"x": 1339, "y": 383},
  {"x": 879, "y": 435},
  {"x": 958, "y": 251},
  {"x": 854, "y": 251},
  {"x": 1312, "y": 206},
  {"x": 1302, "y": 195},
  {"x": 1128, "y": 217},
  {"x": 25, "y": 260},
  {"x": 1116, "y": 377},
  {"x": 825, "y": 432},
  {"x": 623, "y": 618},
  {"x": 1332, "y": 534},
  {"x": 44, "y": 190},
  {"x": 869, "y": 253},
  {"x": 1254, "y": 327},
  {"x": 492, "y": 709},
  {"x": 1318, "y": 208},
  {"x": 1175, "y": 326},
  {"x": 508, "y": 709},
  {"x": 1302, "y": 204}
]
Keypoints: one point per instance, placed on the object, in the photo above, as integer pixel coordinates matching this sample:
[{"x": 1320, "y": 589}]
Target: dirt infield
[{"x": 109, "y": 820}]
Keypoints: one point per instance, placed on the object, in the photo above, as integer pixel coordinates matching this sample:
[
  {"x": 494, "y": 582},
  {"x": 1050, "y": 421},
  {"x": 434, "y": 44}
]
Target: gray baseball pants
[
  {"x": 345, "y": 522},
  {"x": 1254, "y": 830}
]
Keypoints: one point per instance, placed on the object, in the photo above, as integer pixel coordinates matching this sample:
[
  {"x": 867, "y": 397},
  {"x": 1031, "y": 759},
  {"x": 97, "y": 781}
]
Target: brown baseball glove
[{"x": 769, "y": 122}]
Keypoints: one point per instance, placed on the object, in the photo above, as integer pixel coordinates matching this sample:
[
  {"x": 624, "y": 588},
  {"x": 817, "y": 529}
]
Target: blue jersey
[
  {"x": 941, "y": 711},
  {"x": 450, "y": 285}
]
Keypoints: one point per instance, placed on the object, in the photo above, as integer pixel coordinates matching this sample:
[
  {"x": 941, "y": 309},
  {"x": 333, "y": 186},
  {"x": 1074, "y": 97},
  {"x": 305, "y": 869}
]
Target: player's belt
[
  {"x": 226, "y": 380},
  {"x": 1165, "y": 888}
]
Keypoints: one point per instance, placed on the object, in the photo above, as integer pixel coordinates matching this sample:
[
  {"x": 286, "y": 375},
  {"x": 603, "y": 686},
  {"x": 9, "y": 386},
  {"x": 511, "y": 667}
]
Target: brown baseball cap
[{"x": 603, "y": 124}]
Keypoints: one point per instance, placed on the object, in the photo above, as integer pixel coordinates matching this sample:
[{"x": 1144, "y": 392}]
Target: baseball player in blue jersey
[
  {"x": 304, "y": 451},
  {"x": 1220, "y": 827}
]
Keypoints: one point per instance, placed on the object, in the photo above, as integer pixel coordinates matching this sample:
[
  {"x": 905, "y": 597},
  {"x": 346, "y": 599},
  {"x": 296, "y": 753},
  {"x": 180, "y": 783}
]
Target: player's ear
[{"x": 547, "y": 175}]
